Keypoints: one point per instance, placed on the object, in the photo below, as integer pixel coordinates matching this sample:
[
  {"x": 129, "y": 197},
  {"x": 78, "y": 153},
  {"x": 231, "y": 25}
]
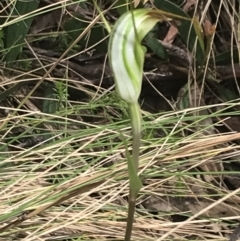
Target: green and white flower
[{"x": 126, "y": 54}]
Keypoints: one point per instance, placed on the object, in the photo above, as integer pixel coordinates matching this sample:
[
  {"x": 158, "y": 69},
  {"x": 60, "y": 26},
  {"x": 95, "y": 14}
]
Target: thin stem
[
  {"x": 136, "y": 121},
  {"x": 130, "y": 218}
]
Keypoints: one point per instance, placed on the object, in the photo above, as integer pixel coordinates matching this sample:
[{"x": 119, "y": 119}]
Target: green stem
[
  {"x": 136, "y": 122},
  {"x": 130, "y": 218}
]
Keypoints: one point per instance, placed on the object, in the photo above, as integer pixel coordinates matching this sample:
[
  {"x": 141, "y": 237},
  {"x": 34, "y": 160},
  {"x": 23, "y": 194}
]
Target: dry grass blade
[
  {"x": 63, "y": 172},
  {"x": 39, "y": 210}
]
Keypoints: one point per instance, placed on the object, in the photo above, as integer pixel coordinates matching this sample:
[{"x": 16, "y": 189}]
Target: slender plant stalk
[
  {"x": 130, "y": 218},
  {"x": 136, "y": 119},
  {"x": 136, "y": 122}
]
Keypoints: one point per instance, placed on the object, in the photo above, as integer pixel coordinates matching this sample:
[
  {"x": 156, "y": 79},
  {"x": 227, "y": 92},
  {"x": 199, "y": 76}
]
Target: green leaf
[
  {"x": 225, "y": 93},
  {"x": 49, "y": 105},
  {"x": 1, "y": 40},
  {"x": 16, "y": 33},
  {"x": 226, "y": 58},
  {"x": 75, "y": 26},
  {"x": 155, "y": 45},
  {"x": 189, "y": 31}
]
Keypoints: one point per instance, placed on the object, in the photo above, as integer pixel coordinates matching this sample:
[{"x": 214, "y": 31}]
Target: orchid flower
[{"x": 126, "y": 59}]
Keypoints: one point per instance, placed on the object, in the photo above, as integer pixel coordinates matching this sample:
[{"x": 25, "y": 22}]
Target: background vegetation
[{"x": 63, "y": 167}]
